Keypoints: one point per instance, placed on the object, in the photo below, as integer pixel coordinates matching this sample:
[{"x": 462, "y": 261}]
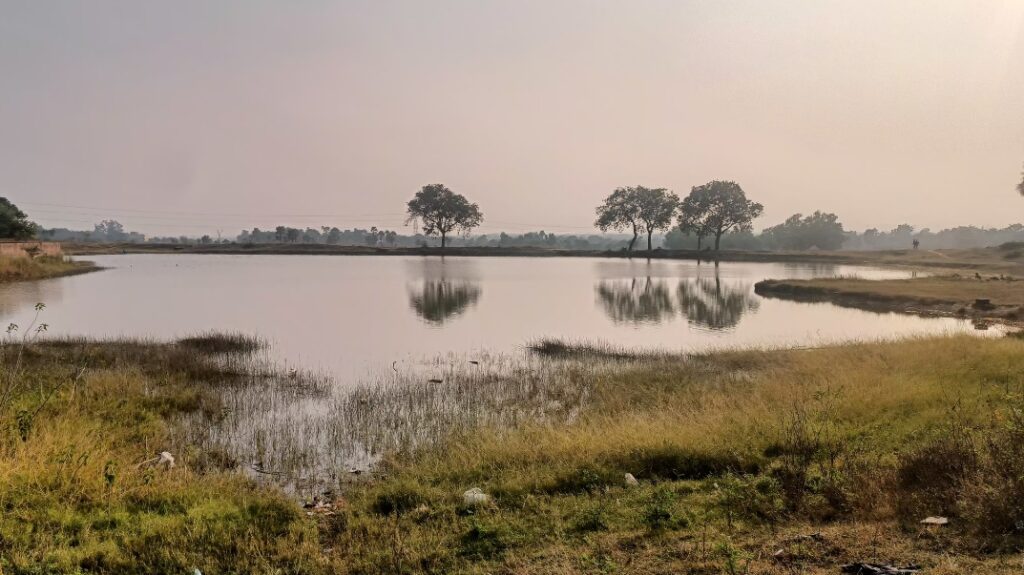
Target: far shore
[{"x": 986, "y": 260}]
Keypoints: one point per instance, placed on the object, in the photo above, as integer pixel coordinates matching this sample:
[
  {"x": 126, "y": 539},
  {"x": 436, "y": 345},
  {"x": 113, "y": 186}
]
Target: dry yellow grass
[
  {"x": 714, "y": 441},
  {"x": 721, "y": 444},
  {"x": 20, "y": 269},
  {"x": 936, "y": 295},
  {"x": 75, "y": 496}
]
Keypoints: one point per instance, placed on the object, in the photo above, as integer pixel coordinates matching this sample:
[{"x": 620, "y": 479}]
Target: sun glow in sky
[{"x": 193, "y": 116}]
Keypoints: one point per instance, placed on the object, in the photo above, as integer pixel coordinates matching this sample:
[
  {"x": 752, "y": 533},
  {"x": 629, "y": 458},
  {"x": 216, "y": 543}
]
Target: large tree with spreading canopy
[
  {"x": 442, "y": 211},
  {"x": 14, "y": 223},
  {"x": 718, "y": 207},
  {"x": 637, "y": 209}
]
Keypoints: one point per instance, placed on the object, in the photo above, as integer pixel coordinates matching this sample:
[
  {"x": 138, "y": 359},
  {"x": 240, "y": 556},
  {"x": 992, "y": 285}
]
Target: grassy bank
[
  {"x": 21, "y": 269},
  {"x": 830, "y": 455},
  {"x": 737, "y": 456},
  {"x": 82, "y": 425},
  {"x": 953, "y": 295}
]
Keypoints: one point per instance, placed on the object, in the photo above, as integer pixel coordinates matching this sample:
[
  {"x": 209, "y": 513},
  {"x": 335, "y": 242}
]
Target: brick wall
[{"x": 25, "y": 249}]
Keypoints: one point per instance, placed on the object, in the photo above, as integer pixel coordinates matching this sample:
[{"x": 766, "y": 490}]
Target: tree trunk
[
  {"x": 649, "y": 234},
  {"x": 718, "y": 239},
  {"x": 443, "y": 239},
  {"x": 700, "y": 240},
  {"x": 632, "y": 241}
]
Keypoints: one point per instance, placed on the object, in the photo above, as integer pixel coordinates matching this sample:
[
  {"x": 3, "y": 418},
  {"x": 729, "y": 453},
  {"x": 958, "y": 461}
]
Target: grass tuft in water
[{"x": 218, "y": 342}]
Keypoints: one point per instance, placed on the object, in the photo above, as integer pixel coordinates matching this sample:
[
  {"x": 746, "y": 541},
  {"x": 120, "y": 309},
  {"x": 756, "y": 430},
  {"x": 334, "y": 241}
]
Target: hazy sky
[{"x": 192, "y": 116}]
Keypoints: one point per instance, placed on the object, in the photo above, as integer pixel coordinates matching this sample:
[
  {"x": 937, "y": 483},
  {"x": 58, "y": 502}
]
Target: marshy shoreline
[
  {"x": 18, "y": 269},
  {"x": 737, "y": 456}
]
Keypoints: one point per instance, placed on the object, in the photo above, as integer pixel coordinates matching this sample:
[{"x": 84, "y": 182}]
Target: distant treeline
[
  {"x": 390, "y": 238},
  {"x": 818, "y": 235},
  {"x": 105, "y": 231},
  {"x": 819, "y": 230}
]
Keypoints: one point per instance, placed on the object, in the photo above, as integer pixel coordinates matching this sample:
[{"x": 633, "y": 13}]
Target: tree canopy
[
  {"x": 818, "y": 230},
  {"x": 443, "y": 211},
  {"x": 693, "y": 219},
  {"x": 618, "y": 212},
  {"x": 110, "y": 230},
  {"x": 718, "y": 207},
  {"x": 655, "y": 209},
  {"x": 14, "y": 223},
  {"x": 637, "y": 209}
]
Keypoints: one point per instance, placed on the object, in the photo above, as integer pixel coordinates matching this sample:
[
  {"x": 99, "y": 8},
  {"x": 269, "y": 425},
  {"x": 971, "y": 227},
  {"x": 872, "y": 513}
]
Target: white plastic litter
[{"x": 475, "y": 496}]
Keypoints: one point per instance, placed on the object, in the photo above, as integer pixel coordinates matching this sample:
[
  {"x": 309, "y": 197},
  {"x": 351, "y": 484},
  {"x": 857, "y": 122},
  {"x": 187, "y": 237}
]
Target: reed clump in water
[
  {"x": 583, "y": 350},
  {"x": 310, "y": 443},
  {"x": 219, "y": 342}
]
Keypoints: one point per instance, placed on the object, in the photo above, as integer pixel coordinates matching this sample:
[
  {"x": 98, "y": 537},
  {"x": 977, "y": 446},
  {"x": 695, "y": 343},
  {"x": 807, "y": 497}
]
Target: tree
[
  {"x": 639, "y": 209},
  {"x": 1020, "y": 186},
  {"x": 722, "y": 206},
  {"x": 818, "y": 230},
  {"x": 693, "y": 220},
  {"x": 619, "y": 212},
  {"x": 14, "y": 223},
  {"x": 372, "y": 237},
  {"x": 443, "y": 211},
  {"x": 655, "y": 208},
  {"x": 110, "y": 230},
  {"x": 902, "y": 234}
]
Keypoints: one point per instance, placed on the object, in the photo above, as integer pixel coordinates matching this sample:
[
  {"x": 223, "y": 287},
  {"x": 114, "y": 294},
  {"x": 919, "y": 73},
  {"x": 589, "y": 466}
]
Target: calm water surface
[{"x": 353, "y": 316}]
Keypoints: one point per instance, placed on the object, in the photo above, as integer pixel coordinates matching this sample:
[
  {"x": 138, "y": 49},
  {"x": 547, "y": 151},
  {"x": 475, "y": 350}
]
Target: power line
[
  {"x": 187, "y": 219},
  {"x": 209, "y": 214},
  {"x": 184, "y": 219}
]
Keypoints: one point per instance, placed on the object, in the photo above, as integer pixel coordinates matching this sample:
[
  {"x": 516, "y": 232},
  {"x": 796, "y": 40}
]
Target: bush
[
  {"x": 992, "y": 500},
  {"x": 484, "y": 541},
  {"x": 399, "y": 498},
  {"x": 586, "y": 479},
  {"x": 659, "y": 512},
  {"x": 594, "y": 518},
  {"x": 757, "y": 497},
  {"x": 929, "y": 479},
  {"x": 676, "y": 463},
  {"x": 808, "y": 454}
]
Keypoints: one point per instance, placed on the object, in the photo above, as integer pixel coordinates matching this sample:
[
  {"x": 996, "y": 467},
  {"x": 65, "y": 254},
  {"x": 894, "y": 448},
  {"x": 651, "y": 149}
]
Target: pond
[
  {"x": 349, "y": 317},
  {"x": 407, "y": 350}
]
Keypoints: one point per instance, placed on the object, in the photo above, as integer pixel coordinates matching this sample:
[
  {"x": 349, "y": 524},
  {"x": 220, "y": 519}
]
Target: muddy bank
[{"x": 928, "y": 297}]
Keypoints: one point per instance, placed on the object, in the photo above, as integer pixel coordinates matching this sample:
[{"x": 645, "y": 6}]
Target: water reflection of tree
[
  {"x": 707, "y": 302},
  {"x": 637, "y": 301},
  {"x": 710, "y": 303},
  {"x": 439, "y": 300}
]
